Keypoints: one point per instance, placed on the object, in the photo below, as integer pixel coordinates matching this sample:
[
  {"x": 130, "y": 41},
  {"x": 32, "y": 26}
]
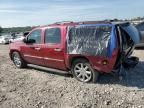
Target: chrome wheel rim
[
  {"x": 83, "y": 72},
  {"x": 17, "y": 60}
]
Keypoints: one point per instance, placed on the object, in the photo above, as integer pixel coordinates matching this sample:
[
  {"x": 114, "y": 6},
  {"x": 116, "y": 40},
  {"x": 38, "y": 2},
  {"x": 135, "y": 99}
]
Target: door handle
[
  {"x": 57, "y": 49},
  {"x": 37, "y": 48},
  {"x": 32, "y": 47}
]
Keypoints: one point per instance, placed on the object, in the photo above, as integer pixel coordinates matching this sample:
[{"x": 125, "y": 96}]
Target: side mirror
[
  {"x": 25, "y": 34},
  {"x": 25, "y": 40},
  {"x": 30, "y": 41}
]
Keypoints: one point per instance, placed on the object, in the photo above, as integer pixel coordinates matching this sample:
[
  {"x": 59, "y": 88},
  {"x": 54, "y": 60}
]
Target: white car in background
[
  {"x": 16, "y": 38},
  {"x": 4, "y": 40}
]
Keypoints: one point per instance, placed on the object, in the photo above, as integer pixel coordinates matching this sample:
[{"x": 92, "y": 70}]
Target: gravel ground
[{"x": 32, "y": 88}]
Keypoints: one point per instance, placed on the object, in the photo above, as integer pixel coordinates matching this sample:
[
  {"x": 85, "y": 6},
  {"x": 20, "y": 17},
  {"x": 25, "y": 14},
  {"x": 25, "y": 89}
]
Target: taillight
[{"x": 105, "y": 62}]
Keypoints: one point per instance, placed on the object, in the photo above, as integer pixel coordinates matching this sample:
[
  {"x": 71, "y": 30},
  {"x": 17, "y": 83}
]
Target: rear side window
[
  {"x": 53, "y": 35},
  {"x": 36, "y": 35}
]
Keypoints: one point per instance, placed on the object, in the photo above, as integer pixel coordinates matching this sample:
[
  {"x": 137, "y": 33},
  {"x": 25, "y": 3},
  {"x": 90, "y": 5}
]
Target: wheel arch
[
  {"x": 95, "y": 74},
  {"x": 76, "y": 58},
  {"x": 11, "y": 52}
]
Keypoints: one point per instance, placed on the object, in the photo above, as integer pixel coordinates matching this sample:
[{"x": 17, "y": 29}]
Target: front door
[
  {"x": 33, "y": 52},
  {"x": 54, "y": 50}
]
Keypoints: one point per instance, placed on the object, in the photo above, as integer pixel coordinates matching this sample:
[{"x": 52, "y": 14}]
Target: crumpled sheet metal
[{"x": 90, "y": 40}]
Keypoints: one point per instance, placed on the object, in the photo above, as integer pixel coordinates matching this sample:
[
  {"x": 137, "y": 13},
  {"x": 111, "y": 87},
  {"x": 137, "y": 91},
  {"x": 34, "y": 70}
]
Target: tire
[
  {"x": 18, "y": 61},
  {"x": 82, "y": 71}
]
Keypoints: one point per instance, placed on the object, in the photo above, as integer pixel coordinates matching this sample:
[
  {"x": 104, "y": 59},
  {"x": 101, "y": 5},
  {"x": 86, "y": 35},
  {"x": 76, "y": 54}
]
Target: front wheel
[
  {"x": 83, "y": 71},
  {"x": 18, "y": 61}
]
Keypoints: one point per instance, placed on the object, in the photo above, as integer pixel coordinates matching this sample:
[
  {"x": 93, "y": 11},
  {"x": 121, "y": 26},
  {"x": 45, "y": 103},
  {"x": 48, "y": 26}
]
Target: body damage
[{"x": 77, "y": 41}]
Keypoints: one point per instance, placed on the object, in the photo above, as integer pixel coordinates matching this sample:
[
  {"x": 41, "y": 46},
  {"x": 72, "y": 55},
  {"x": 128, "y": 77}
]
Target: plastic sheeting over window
[{"x": 90, "y": 40}]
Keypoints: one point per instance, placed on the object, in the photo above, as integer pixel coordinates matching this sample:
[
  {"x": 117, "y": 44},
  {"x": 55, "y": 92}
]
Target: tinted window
[
  {"x": 52, "y": 35},
  {"x": 36, "y": 35}
]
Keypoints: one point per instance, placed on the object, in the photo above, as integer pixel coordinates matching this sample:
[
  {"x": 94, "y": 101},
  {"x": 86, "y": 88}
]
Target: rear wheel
[
  {"x": 17, "y": 60},
  {"x": 83, "y": 71}
]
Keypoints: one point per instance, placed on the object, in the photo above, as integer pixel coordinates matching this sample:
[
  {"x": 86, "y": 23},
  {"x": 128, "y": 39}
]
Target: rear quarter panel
[{"x": 95, "y": 61}]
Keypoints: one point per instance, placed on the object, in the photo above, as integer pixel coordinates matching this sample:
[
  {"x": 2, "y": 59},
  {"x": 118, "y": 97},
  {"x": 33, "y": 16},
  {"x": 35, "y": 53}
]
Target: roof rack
[
  {"x": 63, "y": 22},
  {"x": 92, "y": 22},
  {"x": 81, "y": 22}
]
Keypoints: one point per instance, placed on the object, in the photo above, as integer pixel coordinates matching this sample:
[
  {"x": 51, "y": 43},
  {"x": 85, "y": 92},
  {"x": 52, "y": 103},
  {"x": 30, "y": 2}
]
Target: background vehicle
[
  {"x": 83, "y": 48},
  {"x": 4, "y": 39},
  {"x": 140, "y": 27},
  {"x": 16, "y": 38}
]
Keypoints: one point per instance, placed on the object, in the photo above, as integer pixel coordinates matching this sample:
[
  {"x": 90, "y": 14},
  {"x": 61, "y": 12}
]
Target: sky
[{"x": 16, "y": 13}]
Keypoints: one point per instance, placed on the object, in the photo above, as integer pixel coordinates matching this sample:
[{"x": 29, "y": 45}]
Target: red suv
[{"x": 83, "y": 48}]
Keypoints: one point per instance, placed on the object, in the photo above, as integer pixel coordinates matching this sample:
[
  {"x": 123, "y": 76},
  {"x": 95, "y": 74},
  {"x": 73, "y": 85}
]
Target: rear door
[{"x": 54, "y": 50}]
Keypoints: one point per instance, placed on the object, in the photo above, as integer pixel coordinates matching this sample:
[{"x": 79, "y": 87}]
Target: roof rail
[
  {"x": 92, "y": 22},
  {"x": 63, "y": 22},
  {"x": 82, "y": 22}
]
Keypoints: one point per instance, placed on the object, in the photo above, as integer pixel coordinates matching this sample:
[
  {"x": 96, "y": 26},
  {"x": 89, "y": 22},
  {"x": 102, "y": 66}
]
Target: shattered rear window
[{"x": 89, "y": 40}]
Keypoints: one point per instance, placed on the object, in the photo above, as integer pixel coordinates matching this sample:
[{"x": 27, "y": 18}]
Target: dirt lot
[{"x": 32, "y": 88}]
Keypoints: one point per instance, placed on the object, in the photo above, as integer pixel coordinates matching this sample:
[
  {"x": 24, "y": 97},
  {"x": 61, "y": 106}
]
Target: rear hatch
[{"x": 130, "y": 36}]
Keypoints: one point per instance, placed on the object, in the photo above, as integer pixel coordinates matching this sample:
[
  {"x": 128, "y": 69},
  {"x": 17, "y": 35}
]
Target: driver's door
[{"x": 32, "y": 52}]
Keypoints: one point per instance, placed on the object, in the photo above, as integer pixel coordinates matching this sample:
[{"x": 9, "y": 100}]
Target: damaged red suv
[{"x": 84, "y": 49}]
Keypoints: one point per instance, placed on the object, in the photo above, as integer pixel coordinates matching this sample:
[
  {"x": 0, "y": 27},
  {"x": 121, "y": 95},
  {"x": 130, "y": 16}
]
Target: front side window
[
  {"x": 35, "y": 35},
  {"x": 53, "y": 35}
]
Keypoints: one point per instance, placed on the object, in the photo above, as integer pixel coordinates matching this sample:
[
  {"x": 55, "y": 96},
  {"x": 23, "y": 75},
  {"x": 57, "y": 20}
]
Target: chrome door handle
[
  {"x": 57, "y": 49},
  {"x": 37, "y": 48}
]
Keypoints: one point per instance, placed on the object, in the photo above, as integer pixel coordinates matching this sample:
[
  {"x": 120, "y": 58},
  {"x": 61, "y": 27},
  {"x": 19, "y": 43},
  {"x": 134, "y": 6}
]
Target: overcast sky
[{"x": 42, "y": 12}]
